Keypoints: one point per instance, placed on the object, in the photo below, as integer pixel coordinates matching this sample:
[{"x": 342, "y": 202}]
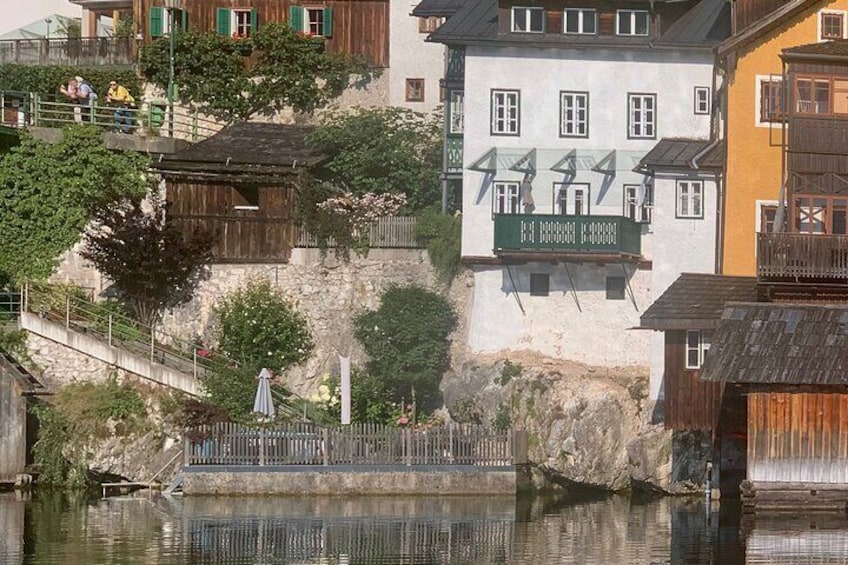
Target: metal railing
[
  {"x": 151, "y": 118},
  {"x": 546, "y": 232},
  {"x": 797, "y": 256},
  {"x": 73, "y": 51},
  {"x": 357, "y": 444},
  {"x": 388, "y": 232}
]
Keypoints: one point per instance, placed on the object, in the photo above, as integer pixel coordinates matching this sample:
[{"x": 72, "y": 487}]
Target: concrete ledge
[
  {"x": 350, "y": 480},
  {"x": 140, "y": 143}
]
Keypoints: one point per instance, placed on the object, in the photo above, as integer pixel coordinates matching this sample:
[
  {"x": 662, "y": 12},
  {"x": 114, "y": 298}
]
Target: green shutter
[
  {"x": 254, "y": 21},
  {"x": 296, "y": 18},
  {"x": 328, "y": 22},
  {"x": 222, "y": 21},
  {"x": 157, "y": 21},
  {"x": 183, "y": 20}
]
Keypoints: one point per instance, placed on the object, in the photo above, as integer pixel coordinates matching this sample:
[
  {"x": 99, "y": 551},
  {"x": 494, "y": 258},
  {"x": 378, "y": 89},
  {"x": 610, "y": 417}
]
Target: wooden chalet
[
  {"x": 347, "y": 26},
  {"x": 239, "y": 185}
]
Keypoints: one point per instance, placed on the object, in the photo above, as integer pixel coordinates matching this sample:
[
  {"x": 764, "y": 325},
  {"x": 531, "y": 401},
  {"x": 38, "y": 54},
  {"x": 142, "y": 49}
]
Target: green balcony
[
  {"x": 453, "y": 154},
  {"x": 567, "y": 234}
]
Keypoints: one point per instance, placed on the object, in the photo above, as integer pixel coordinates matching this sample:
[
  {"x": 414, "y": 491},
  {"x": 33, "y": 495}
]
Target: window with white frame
[
  {"x": 457, "y": 111},
  {"x": 642, "y": 114},
  {"x": 505, "y": 112},
  {"x": 770, "y": 99},
  {"x": 702, "y": 100},
  {"x": 506, "y": 199},
  {"x": 528, "y": 19},
  {"x": 574, "y": 114},
  {"x": 242, "y": 24},
  {"x": 580, "y": 20},
  {"x": 690, "y": 199},
  {"x": 631, "y": 22},
  {"x": 638, "y": 199},
  {"x": 571, "y": 199},
  {"x": 314, "y": 21},
  {"x": 831, "y": 25},
  {"x": 697, "y": 345}
]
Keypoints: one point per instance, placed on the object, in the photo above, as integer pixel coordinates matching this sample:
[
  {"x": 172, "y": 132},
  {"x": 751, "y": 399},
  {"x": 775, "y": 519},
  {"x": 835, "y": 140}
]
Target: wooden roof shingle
[
  {"x": 773, "y": 343},
  {"x": 671, "y": 153}
]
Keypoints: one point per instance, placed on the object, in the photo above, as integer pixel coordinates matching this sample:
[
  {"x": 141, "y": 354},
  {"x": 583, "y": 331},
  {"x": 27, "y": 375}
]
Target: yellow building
[{"x": 754, "y": 120}]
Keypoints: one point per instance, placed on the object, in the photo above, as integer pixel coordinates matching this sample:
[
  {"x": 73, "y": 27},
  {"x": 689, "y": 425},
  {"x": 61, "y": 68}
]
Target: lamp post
[{"x": 171, "y": 6}]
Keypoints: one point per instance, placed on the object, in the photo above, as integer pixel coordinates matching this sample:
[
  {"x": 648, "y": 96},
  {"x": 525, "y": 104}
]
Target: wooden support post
[
  {"x": 68, "y": 311},
  {"x": 325, "y": 440},
  {"x": 520, "y": 447},
  {"x": 186, "y": 450},
  {"x": 110, "y": 330}
]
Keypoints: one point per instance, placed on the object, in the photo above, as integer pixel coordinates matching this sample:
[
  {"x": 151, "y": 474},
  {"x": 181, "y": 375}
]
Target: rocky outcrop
[{"x": 136, "y": 458}]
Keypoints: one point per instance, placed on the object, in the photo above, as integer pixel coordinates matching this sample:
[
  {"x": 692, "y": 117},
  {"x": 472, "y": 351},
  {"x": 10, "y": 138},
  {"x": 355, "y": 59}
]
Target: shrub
[
  {"x": 407, "y": 343},
  {"x": 442, "y": 236},
  {"x": 370, "y": 400},
  {"x": 509, "y": 371},
  {"x": 47, "y": 79}
]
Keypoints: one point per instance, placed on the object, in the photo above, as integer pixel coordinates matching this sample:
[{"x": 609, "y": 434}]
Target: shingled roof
[
  {"x": 245, "y": 149},
  {"x": 672, "y": 153},
  {"x": 826, "y": 50},
  {"x": 696, "y": 300},
  {"x": 772, "y": 343},
  {"x": 445, "y": 8}
]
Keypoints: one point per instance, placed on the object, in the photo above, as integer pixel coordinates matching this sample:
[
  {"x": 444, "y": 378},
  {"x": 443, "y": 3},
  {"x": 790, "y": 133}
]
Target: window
[
  {"x": 580, "y": 21},
  {"x": 415, "y": 90},
  {"x": 702, "y": 100},
  {"x": 160, "y": 22},
  {"x": 690, "y": 196},
  {"x": 642, "y": 115},
  {"x": 632, "y": 22},
  {"x": 615, "y": 288},
  {"x": 768, "y": 214},
  {"x": 316, "y": 21},
  {"x": 812, "y": 96},
  {"x": 820, "y": 214},
  {"x": 429, "y": 24},
  {"x": 771, "y": 100},
  {"x": 638, "y": 199},
  {"x": 506, "y": 198},
  {"x": 540, "y": 284},
  {"x": 528, "y": 20},
  {"x": 457, "y": 111},
  {"x": 574, "y": 114},
  {"x": 831, "y": 25},
  {"x": 242, "y": 24},
  {"x": 571, "y": 199},
  {"x": 505, "y": 108},
  {"x": 697, "y": 345},
  {"x": 246, "y": 197}
]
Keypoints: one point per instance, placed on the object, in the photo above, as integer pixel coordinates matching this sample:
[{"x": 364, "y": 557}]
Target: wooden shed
[
  {"x": 239, "y": 185},
  {"x": 18, "y": 427}
]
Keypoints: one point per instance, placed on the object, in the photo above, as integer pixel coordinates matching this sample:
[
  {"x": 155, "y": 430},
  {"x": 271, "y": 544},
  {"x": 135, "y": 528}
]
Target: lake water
[{"x": 607, "y": 530}]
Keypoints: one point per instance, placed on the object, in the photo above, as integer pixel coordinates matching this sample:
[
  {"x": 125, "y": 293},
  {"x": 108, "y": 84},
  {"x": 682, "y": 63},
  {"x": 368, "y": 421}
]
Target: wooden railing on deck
[
  {"x": 357, "y": 444},
  {"x": 75, "y": 51},
  {"x": 387, "y": 232},
  {"x": 798, "y": 256}
]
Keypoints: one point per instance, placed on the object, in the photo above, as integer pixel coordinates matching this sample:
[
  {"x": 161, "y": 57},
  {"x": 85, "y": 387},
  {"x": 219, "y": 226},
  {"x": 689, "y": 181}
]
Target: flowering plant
[{"x": 358, "y": 212}]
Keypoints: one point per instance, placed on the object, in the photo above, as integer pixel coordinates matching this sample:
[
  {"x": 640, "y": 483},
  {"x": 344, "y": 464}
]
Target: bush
[
  {"x": 442, "y": 236},
  {"x": 406, "y": 340},
  {"x": 370, "y": 401},
  {"x": 46, "y": 80}
]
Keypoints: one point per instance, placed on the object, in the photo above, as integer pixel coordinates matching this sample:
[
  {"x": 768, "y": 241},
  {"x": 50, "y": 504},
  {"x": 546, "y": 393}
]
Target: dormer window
[
  {"x": 632, "y": 22},
  {"x": 528, "y": 20},
  {"x": 580, "y": 21}
]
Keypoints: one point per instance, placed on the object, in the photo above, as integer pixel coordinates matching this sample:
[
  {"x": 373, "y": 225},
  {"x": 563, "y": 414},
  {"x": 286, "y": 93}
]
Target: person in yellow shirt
[{"x": 126, "y": 106}]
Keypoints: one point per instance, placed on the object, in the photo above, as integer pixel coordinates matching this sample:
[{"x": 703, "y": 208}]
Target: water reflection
[{"x": 601, "y": 530}]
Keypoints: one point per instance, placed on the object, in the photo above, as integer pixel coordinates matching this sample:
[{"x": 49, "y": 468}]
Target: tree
[
  {"x": 152, "y": 265},
  {"x": 49, "y": 192},
  {"x": 382, "y": 150},
  {"x": 237, "y": 78},
  {"x": 407, "y": 343}
]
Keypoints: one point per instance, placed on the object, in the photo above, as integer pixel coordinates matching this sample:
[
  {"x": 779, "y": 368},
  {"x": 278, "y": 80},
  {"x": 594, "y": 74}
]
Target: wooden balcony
[
  {"x": 77, "y": 51},
  {"x": 543, "y": 233},
  {"x": 453, "y": 154},
  {"x": 802, "y": 257}
]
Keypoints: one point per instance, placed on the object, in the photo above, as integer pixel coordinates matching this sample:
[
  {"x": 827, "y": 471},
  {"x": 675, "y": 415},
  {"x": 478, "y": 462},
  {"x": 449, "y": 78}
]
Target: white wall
[
  {"x": 411, "y": 57},
  {"x": 18, "y": 13}
]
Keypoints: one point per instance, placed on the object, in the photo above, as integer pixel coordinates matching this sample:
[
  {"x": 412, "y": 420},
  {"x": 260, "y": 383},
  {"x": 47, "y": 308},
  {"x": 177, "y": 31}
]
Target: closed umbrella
[{"x": 264, "y": 404}]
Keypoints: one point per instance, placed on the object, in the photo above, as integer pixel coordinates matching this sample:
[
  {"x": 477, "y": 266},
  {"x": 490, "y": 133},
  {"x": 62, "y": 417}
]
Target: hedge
[{"x": 46, "y": 80}]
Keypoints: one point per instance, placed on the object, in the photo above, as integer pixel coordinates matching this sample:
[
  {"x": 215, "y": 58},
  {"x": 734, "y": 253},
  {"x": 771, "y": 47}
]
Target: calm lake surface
[{"x": 609, "y": 530}]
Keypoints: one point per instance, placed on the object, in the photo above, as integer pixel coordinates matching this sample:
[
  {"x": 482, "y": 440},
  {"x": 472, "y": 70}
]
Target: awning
[
  {"x": 566, "y": 161},
  {"x": 519, "y": 160}
]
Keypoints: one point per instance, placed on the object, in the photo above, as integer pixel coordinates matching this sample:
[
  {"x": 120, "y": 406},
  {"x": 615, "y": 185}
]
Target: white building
[
  {"x": 549, "y": 116},
  {"x": 416, "y": 65}
]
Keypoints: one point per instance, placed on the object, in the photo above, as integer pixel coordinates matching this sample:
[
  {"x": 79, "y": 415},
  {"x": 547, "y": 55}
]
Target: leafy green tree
[
  {"x": 407, "y": 342},
  {"x": 151, "y": 263},
  {"x": 48, "y": 193},
  {"x": 381, "y": 150},
  {"x": 442, "y": 235},
  {"x": 235, "y": 79}
]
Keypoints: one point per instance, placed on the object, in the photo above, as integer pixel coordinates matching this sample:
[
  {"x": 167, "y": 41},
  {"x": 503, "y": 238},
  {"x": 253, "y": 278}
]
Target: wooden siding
[
  {"x": 606, "y": 15},
  {"x": 690, "y": 404},
  {"x": 798, "y": 437},
  {"x": 816, "y": 135},
  {"x": 263, "y": 235},
  {"x": 747, "y": 12},
  {"x": 13, "y": 420},
  {"x": 359, "y": 26}
]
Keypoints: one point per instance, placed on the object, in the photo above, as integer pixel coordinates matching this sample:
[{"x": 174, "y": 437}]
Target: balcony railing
[
  {"x": 453, "y": 154},
  {"x": 582, "y": 234},
  {"x": 802, "y": 256},
  {"x": 76, "y": 51}
]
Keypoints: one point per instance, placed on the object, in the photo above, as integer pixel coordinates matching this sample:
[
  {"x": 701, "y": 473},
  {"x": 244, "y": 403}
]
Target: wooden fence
[
  {"x": 358, "y": 444},
  {"x": 76, "y": 51},
  {"x": 388, "y": 232}
]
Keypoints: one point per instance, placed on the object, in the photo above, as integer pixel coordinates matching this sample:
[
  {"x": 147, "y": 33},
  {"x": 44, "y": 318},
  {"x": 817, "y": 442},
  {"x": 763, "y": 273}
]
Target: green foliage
[
  {"x": 14, "y": 343},
  {"x": 236, "y": 79},
  {"x": 322, "y": 224},
  {"x": 407, "y": 343},
  {"x": 370, "y": 400},
  {"x": 123, "y": 326},
  {"x": 509, "y": 371},
  {"x": 46, "y": 80},
  {"x": 51, "y": 453},
  {"x": 442, "y": 235},
  {"x": 151, "y": 263},
  {"x": 382, "y": 150},
  {"x": 502, "y": 420},
  {"x": 48, "y": 193},
  {"x": 466, "y": 411}
]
